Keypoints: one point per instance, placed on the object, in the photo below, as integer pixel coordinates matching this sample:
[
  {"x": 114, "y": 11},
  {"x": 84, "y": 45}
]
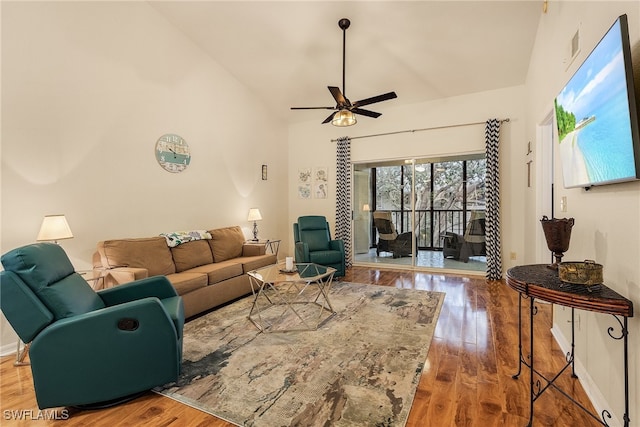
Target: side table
[{"x": 540, "y": 282}]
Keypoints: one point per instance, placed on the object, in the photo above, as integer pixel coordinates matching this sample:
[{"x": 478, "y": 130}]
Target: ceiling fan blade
[
  {"x": 367, "y": 113},
  {"x": 313, "y": 108},
  {"x": 338, "y": 96},
  {"x": 328, "y": 119},
  {"x": 374, "y": 99}
]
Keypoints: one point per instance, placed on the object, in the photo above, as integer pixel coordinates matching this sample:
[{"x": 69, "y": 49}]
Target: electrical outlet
[
  {"x": 513, "y": 256},
  {"x": 563, "y": 204}
]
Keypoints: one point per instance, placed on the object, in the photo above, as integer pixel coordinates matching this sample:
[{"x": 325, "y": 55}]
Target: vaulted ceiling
[{"x": 288, "y": 52}]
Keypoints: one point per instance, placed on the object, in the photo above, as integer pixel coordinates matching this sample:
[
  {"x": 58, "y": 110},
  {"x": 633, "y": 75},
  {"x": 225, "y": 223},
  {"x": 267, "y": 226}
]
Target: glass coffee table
[{"x": 291, "y": 301}]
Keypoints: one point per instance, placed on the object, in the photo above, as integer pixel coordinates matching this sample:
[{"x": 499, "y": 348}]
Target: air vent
[
  {"x": 573, "y": 49},
  {"x": 575, "y": 44}
]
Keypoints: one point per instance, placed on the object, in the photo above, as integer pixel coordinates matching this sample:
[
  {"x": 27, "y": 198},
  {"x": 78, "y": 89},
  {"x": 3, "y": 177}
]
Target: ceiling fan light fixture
[{"x": 344, "y": 118}]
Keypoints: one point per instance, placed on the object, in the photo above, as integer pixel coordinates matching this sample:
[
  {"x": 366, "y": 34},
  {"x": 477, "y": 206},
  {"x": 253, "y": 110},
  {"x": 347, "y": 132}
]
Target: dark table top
[{"x": 539, "y": 281}]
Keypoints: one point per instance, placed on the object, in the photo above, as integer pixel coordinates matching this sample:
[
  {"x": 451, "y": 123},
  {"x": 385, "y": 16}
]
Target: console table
[{"x": 540, "y": 282}]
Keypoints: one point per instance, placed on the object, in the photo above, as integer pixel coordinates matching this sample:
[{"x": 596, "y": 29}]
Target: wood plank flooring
[{"x": 466, "y": 381}]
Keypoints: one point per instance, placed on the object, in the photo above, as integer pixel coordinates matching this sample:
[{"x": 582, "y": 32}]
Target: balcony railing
[{"x": 430, "y": 224}]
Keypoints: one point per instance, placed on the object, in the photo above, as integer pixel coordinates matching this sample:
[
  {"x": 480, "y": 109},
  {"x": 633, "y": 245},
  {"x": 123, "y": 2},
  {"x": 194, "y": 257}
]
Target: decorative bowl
[{"x": 581, "y": 273}]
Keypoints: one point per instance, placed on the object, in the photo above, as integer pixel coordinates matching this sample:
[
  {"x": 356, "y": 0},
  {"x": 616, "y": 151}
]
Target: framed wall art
[
  {"x": 320, "y": 190},
  {"x": 304, "y": 191},
  {"x": 304, "y": 175},
  {"x": 321, "y": 174}
]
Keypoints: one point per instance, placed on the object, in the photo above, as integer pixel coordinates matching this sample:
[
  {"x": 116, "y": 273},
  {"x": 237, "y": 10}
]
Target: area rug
[{"x": 360, "y": 368}]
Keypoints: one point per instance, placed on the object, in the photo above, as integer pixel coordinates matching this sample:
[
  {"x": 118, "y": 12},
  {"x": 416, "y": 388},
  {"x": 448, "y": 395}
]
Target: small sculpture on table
[{"x": 558, "y": 233}]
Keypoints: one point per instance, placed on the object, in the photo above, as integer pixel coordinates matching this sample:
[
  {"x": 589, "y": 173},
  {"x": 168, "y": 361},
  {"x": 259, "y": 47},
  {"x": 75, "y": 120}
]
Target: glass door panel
[
  {"x": 423, "y": 199},
  {"x": 423, "y": 204},
  {"x": 448, "y": 199},
  {"x": 387, "y": 226},
  {"x": 361, "y": 212}
]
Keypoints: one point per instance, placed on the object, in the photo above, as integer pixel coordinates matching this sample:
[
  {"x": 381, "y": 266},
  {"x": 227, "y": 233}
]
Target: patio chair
[{"x": 388, "y": 238}]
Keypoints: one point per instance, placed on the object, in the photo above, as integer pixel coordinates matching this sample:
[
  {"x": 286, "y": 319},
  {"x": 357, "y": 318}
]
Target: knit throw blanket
[{"x": 179, "y": 237}]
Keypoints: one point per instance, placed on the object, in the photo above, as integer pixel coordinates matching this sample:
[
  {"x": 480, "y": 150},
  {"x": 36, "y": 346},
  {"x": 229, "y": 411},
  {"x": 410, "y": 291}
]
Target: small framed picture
[
  {"x": 264, "y": 172},
  {"x": 304, "y": 175},
  {"x": 320, "y": 190},
  {"x": 321, "y": 174},
  {"x": 304, "y": 191}
]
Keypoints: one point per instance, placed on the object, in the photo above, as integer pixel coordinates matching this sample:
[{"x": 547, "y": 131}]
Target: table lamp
[
  {"x": 254, "y": 215},
  {"x": 54, "y": 228}
]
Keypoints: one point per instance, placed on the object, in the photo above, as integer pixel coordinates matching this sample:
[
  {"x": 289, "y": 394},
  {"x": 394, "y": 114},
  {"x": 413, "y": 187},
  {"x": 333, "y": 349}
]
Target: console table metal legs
[{"x": 536, "y": 388}]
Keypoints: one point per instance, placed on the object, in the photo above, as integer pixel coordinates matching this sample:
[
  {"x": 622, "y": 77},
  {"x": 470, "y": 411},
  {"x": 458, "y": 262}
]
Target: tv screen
[{"x": 596, "y": 116}]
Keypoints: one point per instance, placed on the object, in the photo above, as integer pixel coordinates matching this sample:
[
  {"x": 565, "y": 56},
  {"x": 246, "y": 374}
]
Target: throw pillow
[{"x": 226, "y": 243}]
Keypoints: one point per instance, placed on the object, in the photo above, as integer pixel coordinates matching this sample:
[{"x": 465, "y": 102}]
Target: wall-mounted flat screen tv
[{"x": 597, "y": 117}]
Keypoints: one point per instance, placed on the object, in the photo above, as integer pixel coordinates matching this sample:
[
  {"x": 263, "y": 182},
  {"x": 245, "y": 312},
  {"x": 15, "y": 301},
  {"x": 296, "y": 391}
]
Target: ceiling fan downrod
[{"x": 344, "y": 23}]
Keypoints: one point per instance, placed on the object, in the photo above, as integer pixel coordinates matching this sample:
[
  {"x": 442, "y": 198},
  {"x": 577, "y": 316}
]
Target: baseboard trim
[
  {"x": 593, "y": 392},
  {"x": 8, "y": 349}
]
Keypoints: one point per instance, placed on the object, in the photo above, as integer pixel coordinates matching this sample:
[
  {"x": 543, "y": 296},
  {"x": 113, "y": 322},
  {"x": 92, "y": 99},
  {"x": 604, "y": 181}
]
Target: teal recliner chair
[
  {"x": 314, "y": 244},
  {"x": 87, "y": 348}
]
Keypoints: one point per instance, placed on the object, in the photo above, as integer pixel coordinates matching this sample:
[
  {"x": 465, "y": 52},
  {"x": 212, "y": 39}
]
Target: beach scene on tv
[{"x": 593, "y": 120}]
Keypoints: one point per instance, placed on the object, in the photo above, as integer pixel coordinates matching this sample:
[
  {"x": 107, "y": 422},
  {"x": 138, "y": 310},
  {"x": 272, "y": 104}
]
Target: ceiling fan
[{"x": 344, "y": 109}]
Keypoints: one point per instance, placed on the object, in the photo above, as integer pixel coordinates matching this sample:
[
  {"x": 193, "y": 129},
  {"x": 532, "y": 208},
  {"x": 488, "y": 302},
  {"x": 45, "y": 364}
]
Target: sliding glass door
[{"x": 408, "y": 212}]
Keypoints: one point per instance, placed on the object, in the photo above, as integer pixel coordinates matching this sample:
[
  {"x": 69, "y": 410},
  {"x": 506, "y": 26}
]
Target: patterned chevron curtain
[
  {"x": 494, "y": 253},
  {"x": 343, "y": 195}
]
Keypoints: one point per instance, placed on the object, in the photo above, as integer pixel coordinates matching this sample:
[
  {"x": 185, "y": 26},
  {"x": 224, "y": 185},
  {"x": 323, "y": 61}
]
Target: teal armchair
[
  {"x": 314, "y": 244},
  {"x": 87, "y": 348}
]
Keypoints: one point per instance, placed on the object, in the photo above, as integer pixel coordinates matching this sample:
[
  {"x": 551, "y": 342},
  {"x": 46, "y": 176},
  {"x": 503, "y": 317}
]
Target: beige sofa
[{"x": 206, "y": 273}]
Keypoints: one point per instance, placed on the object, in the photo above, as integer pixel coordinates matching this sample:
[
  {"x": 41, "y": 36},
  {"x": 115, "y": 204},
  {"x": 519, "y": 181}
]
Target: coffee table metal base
[{"x": 291, "y": 302}]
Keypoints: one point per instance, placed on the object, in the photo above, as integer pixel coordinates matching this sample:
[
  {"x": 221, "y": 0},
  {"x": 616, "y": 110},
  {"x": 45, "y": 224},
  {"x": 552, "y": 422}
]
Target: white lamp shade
[
  {"x": 254, "y": 215},
  {"x": 54, "y": 227}
]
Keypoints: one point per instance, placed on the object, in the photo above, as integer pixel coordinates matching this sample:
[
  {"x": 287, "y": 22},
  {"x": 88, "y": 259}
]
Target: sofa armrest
[
  {"x": 119, "y": 275},
  {"x": 254, "y": 249},
  {"x": 337, "y": 245},
  {"x": 156, "y": 286}
]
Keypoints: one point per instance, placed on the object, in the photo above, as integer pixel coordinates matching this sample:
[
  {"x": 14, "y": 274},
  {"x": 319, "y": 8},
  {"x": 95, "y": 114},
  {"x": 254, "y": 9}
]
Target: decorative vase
[{"x": 558, "y": 233}]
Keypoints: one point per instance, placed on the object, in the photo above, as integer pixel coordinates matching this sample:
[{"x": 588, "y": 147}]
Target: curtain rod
[{"x": 420, "y": 130}]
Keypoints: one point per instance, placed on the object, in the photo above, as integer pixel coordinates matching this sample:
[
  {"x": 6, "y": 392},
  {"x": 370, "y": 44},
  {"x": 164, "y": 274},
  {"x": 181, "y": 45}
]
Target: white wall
[
  {"x": 310, "y": 145},
  {"x": 88, "y": 88},
  {"x": 607, "y": 218}
]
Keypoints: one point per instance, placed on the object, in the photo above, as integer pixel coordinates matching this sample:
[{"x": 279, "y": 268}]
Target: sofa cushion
[
  {"x": 151, "y": 253},
  {"x": 191, "y": 254},
  {"x": 186, "y": 282},
  {"x": 220, "y": 271},
  {"x": 226, "y": 243}
]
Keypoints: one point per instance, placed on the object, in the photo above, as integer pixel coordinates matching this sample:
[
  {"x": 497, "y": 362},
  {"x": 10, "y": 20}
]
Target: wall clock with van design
[{"x": 172, "y": 153}]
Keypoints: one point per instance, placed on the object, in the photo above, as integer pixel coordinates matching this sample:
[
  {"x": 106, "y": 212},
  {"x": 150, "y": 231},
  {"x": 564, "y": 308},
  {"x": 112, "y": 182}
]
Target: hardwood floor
[{"x": 466, "y": 381}]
